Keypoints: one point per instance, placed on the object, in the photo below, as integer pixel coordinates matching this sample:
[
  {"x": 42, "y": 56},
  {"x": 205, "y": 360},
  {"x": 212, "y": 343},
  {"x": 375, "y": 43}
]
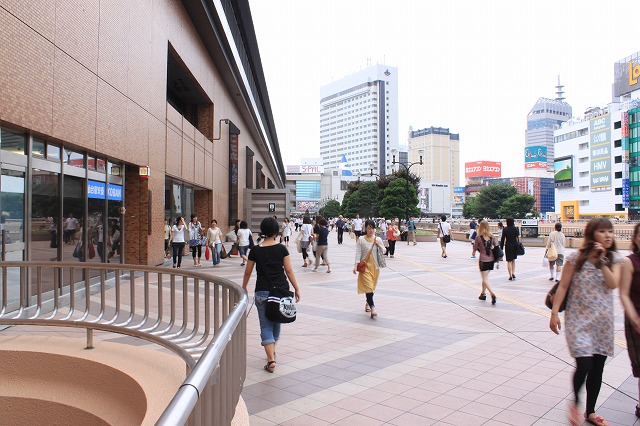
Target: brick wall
[{"x": 136, "y": 217}]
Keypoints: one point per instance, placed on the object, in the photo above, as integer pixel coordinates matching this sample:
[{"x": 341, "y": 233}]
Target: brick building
[{"x": 92, "y": 94}]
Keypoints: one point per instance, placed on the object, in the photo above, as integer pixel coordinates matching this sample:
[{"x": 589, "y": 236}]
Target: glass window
[
  {"x": 72, "y": 158},
  {"x": 12, "y": 141},
  {"x": 73, "y": 224},
  {"x": 91, "y": 162},
  {"x": 53, "y": 152},
  {"x": 115, "y": 169},
  {"x": 38, "y": 148},
  {"x": 45, "y": 224},
  {"x": 12, "y": 207}
]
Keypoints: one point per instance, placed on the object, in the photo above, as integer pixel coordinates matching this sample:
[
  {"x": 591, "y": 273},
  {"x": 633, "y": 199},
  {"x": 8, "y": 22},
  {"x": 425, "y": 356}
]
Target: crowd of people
[{"x": 585, "y": 279}]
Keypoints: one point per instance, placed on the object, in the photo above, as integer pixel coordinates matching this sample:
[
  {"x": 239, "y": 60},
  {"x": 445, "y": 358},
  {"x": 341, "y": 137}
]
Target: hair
[
  {"x": 306, "y": 220},
  {"x": 634, "y": 246},
  {"x": 214, "y": 221},
  {"x": 558, "y": 226},
  {"x": 286, "y": 219},
  {"x": 178, "y": 219},
  {"x": 244, "y": 224},
  {"x": 193, "y": 216},
  {"x": 443, "y": 217},
  {"x": 511, "y": 222},
  {"x": 319, "y": 218},
  {"x": 322, "y": 221},
  {"x": 500, "y": 225},
  {"x": 483, "y": 229},
  {"x": 594, "y": 225},
  {"x": 369, "y": 224},
  {"x": 268, "y": 227}
]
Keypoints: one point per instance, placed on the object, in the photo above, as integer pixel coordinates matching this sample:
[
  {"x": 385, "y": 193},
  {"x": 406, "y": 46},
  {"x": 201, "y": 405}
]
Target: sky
[{"x": 475, "y": 67}]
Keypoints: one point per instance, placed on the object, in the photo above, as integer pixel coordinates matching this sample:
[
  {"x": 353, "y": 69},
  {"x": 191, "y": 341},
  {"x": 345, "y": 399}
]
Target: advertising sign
[
  {"x": 482, "y": 169},
  {"x": 305, "y": 169},
  {"x": 96, "y": 189},
  {"x": 625, "y": 193},
  {"x": 600, "y": 150},
  {"x": 626, "y": 75},
  {"x": 307, "y": 205},
  {"x": 563, "y": 172},
  {"x": 535, "y": 157}
]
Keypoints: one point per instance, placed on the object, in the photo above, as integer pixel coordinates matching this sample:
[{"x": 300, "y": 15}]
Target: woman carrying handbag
[{"x": 369, "y": 271}]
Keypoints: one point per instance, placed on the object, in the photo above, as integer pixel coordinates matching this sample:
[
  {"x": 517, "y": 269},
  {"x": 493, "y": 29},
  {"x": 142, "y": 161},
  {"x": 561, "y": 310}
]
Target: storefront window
[
  {"x": 53, "y": 152},
  {"x": 45, "y": 225},
  {"x": 73, "y": 222},
  {"x": 12, "y": 141},
  {"x": 38, "y": 148},
  {"x": 96, "y": 194},
  {"x": 115, "y": 252},
  {"x": 72, "y": 158}
]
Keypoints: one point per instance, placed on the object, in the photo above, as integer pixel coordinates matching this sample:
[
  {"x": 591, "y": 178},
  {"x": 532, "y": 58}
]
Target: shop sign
[{"x": 97, "y": 190}]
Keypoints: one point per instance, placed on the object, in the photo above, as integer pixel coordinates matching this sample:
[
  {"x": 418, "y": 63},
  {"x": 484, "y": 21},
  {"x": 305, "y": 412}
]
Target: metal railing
[{"x": 199, "y": 317}]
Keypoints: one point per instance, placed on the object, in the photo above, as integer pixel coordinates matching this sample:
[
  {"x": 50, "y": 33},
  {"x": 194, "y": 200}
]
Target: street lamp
[
  {"x": 372, "y": 166},
  {"x": 407, "y": 167}
]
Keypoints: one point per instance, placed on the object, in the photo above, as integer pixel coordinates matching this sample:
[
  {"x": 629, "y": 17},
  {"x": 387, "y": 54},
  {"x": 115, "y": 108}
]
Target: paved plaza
[{"x": 435, "y": 354}]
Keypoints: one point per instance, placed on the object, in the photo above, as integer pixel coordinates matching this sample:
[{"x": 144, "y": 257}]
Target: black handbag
[
  {"x": 281, "y": 305},
  {"x": 497, "y": 253},
  {"x": 519, "y": 248},
  {"x": 446, "y": 238},
  {"x": 549, "y": 298}
]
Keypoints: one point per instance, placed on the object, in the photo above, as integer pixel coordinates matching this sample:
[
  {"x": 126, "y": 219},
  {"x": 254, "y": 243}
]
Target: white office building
[{"x": 359, "y": 120}]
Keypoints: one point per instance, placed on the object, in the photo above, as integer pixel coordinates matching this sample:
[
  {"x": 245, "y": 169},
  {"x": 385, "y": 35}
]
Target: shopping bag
[
  {"x": 92, "y": 251},
  {"x": 545, "y": 262},
  {"x": 223, "y": 252},
  {"x": 207, "y": 254}
]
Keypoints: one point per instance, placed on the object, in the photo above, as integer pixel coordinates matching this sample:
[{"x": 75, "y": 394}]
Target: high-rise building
[
  {"x": 440, "y": 151},
  {"x": 545, "y": 116},
  {"x": 359, "y": 120}
]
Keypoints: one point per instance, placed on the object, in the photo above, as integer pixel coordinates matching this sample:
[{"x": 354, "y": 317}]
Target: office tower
[
  {"x": 359, "y": 120},
  {"x": 545, "y": 116},
  {"x": 440, "y": 150}
]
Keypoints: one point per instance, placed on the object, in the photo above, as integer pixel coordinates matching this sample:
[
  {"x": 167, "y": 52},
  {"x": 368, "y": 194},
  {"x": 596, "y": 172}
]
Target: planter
[{"x": 426, "y": 238}]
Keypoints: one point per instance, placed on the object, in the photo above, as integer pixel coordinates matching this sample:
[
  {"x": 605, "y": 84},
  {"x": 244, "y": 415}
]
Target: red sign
[{"x": 482, "y": 169}]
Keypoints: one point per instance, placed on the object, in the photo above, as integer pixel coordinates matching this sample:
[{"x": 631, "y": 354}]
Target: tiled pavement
[{"x": 435, "y": 354}]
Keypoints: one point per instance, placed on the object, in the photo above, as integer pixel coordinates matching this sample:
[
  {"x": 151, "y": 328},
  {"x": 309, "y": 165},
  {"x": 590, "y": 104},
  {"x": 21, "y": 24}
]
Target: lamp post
[
  {"x": 407, "y": 167},
  {"x": 372, "y": 167}
]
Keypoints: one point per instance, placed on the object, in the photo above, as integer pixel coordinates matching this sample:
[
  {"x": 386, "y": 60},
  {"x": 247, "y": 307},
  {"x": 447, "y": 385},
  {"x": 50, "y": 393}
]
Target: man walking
[
  {"x": 340, "y": 227},
  {"x": 357, "y": 226},
  {"x": 411, "y": 227}
]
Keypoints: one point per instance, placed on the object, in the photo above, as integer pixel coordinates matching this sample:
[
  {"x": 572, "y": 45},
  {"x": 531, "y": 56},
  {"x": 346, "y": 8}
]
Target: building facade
[
  {"x": 115, "y": 116},
  {"x": 359, "y": 120},
  {"x": 440, "y": 156},
  {"x": 545, "y": 116},
  {"x": 542, "y": 189}
]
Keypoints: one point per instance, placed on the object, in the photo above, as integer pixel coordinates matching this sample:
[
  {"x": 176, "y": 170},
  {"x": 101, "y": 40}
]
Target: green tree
[
  {"x": 469, "y": 207},
  {"x": 331, "y": 209},
  {"x": 490, "y": 198},
  {"x": 364, "y": 201},
  {"x": 397, "y": 196},
  {"x": 517, "y": 206}
]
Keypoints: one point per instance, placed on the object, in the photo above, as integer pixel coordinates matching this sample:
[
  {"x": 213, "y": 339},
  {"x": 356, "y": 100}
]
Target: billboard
[
  {"x": 307, "y": 205},
  {"x": 482, "y": 169},
  {"x": 600, "y": 151},
  {"x": 626, "y": 75},
  {"x": 563, "y": 172},
  {"x": 458, "y": 194},
  {"x": 305, "y": 169},
  {"x": 535, "y": 157}
]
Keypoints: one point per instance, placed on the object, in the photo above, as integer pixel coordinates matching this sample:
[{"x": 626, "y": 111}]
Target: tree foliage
[
  {"x": 399, "y": 197},
  {"x": 488, "y": 200},
  {"x": 331, "y": 209},
  {"x": 362, "y": 200},
  {"x": 518, "y": 205}
]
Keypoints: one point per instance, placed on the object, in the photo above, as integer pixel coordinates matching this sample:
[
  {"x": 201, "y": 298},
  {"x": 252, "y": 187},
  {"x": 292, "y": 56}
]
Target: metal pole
[{"x": 89, "y": 338}]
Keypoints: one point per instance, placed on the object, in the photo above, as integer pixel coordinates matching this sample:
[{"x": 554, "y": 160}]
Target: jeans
[
  {"x": 340, "y": 234},
  {"x": 243, "y": 250},
  {"x": 177, "y": 253},
  {"x": 215, "y": 253},
  {"x": 269, "y": 330}
]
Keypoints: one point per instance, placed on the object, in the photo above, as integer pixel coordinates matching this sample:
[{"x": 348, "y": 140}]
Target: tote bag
[
  {"x": 552, "y": 252},
  {"x": 281, "y": 305}
]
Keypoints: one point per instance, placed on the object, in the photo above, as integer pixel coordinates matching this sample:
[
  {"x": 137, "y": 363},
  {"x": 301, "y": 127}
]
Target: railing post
[{"x": 89, "y": 338}]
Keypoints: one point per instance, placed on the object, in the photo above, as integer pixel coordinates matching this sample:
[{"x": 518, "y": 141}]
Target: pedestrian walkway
[{"x": 435, "y": 354}]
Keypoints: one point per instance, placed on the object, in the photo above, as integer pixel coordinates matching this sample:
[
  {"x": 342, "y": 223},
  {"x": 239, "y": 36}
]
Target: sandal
[
  {"x": 575, "y": 419},
  {"x": 595, "y": 419},
  {"x": 367, "y": 308},
  {"x": 270, "y": 366}
]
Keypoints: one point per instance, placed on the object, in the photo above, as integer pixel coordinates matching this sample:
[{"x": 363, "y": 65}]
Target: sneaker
[
  {"x": 551, "y": 279},
  {"x": 483, "y": 296},
  {"x": 314, "y": 270},
  {"x": 242, "y": 264},
  {"x": 473, "y": 257}
]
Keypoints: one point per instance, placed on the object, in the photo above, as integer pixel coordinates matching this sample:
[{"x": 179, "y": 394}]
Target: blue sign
[
  {"x": 458, "y": 189},
  {"x": 625, "y": 193},
  {"x": 96, "y": 189}
]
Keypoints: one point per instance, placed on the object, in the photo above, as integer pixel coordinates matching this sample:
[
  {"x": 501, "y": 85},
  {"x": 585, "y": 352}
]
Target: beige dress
[{"x": 368, "y": 280}]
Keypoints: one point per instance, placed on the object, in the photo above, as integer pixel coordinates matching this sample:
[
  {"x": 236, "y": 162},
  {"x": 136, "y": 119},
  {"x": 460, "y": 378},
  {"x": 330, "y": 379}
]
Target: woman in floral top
[{"x": 589, "y": 277}]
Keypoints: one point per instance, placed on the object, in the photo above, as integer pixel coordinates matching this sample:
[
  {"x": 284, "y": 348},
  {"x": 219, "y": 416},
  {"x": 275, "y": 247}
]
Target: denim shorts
[
  {"x": 243, "y": 250},
  {"x": 269, "y": 330}
]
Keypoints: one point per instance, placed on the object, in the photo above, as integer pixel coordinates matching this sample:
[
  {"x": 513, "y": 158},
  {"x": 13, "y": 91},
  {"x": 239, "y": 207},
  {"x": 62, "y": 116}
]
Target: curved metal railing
[{"x": 199, "y": 317}]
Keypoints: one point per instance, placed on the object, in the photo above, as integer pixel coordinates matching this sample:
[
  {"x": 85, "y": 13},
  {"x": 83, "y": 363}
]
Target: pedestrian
[
  {"x": 322, "y": 250},
  {"x": 368, "y": 280},
  {"x": 484, "y": 244},
  {"x": 630, "y": 298},
  {"x": 587, "y": 282},
  {"x": 392, "y": 236},
  {"x": 177, "y": 241},
  {"x": 357, "y": 226},
  {"x": 383, "y": 227},
  {"x": 314, "y": 237},
  {"x": 273, "y": 266},
  {"x": 195, "y": 242},
  {"x": 304, "y": 236},
  {"x": 244, "y": 234},
  {"x": 509, "y": 243},
  {"x": 340, "y": 225},
  {"x": 444, "y": 230},
  {"x": 500, "y": 229},
  {"x": 286, "y": 231},
  {"x": 214, "y": 240},
  {"x": 167, "y": 237},
  {"x": 557, "y": 239},
  {"x": 411, "y": 231},
  {"x": 472, "y": 236}
]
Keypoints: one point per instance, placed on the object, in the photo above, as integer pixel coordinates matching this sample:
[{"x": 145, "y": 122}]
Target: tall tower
[
  {"x": 359, "y": 120},
  {"x": 545, "y": 116}
]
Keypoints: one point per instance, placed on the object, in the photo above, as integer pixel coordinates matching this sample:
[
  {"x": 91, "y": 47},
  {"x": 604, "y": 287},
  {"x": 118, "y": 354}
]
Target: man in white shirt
[
  {"x": 70, "y": 226},
  {"x": 357, "y": 226},
  {"x": 444, "y": 233}
]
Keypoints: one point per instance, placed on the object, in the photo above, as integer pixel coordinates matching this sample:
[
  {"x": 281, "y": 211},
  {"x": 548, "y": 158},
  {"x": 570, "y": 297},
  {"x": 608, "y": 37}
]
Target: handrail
[{"x": 206, "y": 329}]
